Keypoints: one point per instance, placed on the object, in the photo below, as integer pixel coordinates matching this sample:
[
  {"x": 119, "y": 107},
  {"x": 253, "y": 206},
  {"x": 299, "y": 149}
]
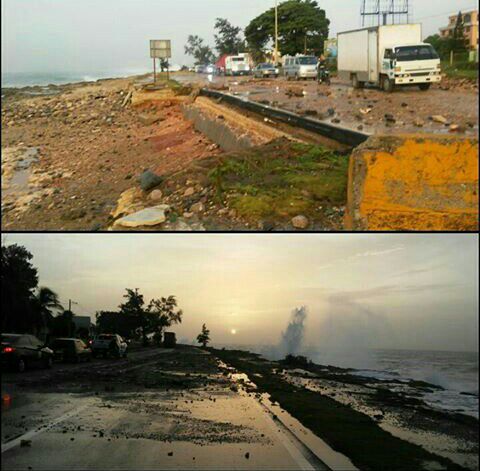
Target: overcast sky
[
  {"x": 397, "y": 291},
  {"x": 102, "y": 36}
]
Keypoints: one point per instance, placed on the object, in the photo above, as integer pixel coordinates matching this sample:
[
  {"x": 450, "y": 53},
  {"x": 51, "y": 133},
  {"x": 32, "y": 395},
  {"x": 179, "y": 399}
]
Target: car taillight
[{"x": 8, "y": 350}]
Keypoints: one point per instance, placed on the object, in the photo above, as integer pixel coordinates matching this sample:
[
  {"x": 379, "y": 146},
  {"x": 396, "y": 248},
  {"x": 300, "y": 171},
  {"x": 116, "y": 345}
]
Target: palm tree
[{"x": 44, "y": 302}]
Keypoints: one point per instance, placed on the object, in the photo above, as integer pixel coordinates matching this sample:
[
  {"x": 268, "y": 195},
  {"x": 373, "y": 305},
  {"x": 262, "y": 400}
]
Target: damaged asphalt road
[{"x": 159, "y": 409}]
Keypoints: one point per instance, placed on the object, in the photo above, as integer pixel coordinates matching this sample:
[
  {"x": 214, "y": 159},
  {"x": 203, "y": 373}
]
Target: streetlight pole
[
  {"x": 276, "y": 32},
  {"x": 70, "y": 302}
]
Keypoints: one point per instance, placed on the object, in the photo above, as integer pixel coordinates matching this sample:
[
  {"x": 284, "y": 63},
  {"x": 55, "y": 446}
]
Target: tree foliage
[
  {"x": 44, "y": 303},
  {"x": 201, "y": 52},
  {"x": 116, "y": 322},
  {"x": 135, "y": 314},
  {"x": 204, "y": 336},
  {"x": 163, "y": 313},
  {"x": 303, "y": 25},
  {"x": 228, "y": 39},
  {"x": 445, "y": 45},
  {"x": 63, "y": 325},
  {"x": 19, "y": 279}
]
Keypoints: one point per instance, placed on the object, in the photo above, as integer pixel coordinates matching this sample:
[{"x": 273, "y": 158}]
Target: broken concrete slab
[{"x": 146, "y": 217}]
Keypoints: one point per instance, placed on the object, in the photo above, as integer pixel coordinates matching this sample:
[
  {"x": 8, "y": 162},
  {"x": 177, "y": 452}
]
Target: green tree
[
  {"x": 229, "y": 39},
  {"x": 196, "y": 48},
  {"x": 204, "y": 336},
  {"x": 116, "y": 323},
  {"x": 163, "y": 313},
  {"x": 163, "y": 65},
  {"x": 19, "y": 279},
  {"x": 135, "y": 307},
  {"x": 303, "y": 27}
]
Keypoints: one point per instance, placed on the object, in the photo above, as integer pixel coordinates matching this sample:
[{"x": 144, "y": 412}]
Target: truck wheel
[
  {"x": 355, "y": 82},
  {"x": 388, "y": 85},
  {"x": 424, "y": 86}
]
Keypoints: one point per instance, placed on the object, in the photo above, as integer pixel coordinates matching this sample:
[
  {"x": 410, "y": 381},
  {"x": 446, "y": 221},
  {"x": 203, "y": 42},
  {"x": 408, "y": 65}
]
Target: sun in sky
[{"x": 233, "y": 331}]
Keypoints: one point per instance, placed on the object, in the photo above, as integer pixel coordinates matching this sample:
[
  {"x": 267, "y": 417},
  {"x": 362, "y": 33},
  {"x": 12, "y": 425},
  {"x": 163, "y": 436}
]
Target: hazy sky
[
  {"x": 93, "y": 36},
  {"x": 395, "y": 290}
]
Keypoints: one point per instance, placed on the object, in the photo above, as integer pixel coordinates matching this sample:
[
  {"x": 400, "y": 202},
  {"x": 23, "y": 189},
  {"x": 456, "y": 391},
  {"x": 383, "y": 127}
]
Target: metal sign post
[{"x": 160, "y": 49}]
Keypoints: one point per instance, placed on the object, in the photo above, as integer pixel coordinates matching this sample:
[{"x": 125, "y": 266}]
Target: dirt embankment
[
  {"x": 90, "y": 145},
  {"x": 75, "y": 160}
]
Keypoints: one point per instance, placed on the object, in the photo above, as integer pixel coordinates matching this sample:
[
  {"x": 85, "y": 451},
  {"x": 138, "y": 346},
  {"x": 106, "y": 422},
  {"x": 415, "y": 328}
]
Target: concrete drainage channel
[
  {"x": 395, "y": 182},
  {"x": 339, "y": 134}
]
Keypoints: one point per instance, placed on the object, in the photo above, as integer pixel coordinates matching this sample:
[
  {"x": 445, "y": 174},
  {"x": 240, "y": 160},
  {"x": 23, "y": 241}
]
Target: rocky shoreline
[{"x": 368, "y": 406}]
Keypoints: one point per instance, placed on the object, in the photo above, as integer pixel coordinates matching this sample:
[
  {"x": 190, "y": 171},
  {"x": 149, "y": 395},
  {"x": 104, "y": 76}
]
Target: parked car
[
  {"x": 201, "y": 69},
  {"x": 265, "y": 70},
  {"x": 22, "y": 351},
  {"x": 71, "y": 350},
  {"x": 299, "y": 67},
  {"x": 109, "y": 345}
]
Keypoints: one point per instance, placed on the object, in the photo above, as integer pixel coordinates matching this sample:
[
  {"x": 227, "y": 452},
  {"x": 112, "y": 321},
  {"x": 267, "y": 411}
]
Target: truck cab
[
  {"x": 410, "y": 65},
  {"x": 238, "y": 65}
]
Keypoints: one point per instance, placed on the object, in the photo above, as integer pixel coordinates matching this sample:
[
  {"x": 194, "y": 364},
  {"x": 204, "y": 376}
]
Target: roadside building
[{"x": 470, "y": 28}]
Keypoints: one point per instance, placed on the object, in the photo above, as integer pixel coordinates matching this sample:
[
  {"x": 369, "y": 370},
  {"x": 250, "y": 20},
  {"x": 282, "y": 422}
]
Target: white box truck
[
  {"x": 240, "y": 64},
  {"x": 387, "y": 56}
]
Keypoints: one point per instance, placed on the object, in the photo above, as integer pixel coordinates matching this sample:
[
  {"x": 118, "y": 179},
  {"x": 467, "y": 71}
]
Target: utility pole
[
  {"x": 70, "y": 333},
  {"x": 276, "y": 32},
  {"x": 70, "y": 302}
]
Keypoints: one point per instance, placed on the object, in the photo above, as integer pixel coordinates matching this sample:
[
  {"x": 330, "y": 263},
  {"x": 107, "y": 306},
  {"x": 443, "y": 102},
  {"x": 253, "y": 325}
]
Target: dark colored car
[
  {"x": 73, "y": 350},
  {"x": 22, "y": 351}
]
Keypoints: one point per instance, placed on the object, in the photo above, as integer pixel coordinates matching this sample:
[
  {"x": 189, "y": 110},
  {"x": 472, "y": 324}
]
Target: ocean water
[
  {"x": 22, "y": 79},
  {"x": 456, "y": 372}
]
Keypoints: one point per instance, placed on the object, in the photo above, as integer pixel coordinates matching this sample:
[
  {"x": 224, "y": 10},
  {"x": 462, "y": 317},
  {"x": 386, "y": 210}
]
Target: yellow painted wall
[{"x": 415, "y": 183}]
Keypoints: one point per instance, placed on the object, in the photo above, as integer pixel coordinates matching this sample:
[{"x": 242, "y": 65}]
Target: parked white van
[{"x": 300, "y": 66}]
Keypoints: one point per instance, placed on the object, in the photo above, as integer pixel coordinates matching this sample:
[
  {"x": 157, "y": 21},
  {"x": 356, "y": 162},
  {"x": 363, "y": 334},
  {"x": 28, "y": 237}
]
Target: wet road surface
[
  {"x": 407, "y": 110},
  {"x": 73, "y": 417}
]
